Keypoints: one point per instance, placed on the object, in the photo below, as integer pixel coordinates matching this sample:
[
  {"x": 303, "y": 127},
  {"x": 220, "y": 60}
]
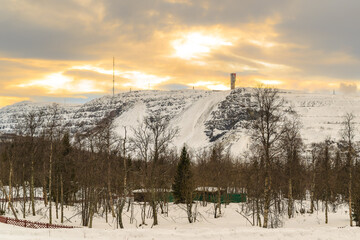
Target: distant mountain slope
[{"x": 203, "y": 117}]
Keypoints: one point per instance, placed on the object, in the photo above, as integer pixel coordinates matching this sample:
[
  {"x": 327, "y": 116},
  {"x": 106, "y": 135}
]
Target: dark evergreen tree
[{"x": 183, "y": 185}]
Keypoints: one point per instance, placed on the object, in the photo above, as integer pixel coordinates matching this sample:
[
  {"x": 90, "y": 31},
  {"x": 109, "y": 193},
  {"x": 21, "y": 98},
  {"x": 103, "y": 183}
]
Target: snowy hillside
[{"x": 203, "y": 117}]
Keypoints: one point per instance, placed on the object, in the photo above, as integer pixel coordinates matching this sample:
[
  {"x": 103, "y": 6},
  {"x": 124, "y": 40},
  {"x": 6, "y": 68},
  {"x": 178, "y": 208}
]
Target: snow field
[{"x": 175, "y": 226}]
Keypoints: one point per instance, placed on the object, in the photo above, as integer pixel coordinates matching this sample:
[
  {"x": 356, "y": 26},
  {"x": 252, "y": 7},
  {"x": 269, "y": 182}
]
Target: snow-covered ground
[
  {"x": 208, "y": 233},
  {"x": 230, "y": 225}
]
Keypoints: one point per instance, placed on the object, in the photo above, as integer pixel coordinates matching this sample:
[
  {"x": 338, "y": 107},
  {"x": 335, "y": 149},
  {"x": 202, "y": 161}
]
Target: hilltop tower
[{"x": 232, "y": 80}]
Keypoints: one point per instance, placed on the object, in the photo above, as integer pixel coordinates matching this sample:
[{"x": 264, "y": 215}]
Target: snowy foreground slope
[
  {"x": 203, "y": 117},
  {"x": 16, "y": 233},
  {"x": 230, "y": 225}
]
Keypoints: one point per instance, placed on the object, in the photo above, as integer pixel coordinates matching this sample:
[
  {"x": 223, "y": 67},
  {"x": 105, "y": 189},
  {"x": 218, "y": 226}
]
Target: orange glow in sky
[{"x": 64, "y": 49}]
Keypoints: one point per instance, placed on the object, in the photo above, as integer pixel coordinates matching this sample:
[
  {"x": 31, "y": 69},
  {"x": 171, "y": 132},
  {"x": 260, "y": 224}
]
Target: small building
[
  {"x": 143, "y": 195},
  {"x": 203, "y": 194},
  {"x": 210, "y": 194}
]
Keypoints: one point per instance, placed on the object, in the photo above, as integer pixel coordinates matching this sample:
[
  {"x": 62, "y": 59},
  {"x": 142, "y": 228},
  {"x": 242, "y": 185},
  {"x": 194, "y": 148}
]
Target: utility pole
[{"x": 113, "y": 76}]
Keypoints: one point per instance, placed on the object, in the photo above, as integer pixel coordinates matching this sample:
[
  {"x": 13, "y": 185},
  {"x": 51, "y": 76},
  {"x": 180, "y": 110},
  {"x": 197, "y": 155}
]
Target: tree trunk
[
  {"x": 326, "y": 211},
  {"x": 123, "y": 200},
  {"x": 350, "y": 190},
  {"x": 61, "y": 199},
  {"x": 258, "y": 221},
  {"x": 92, "y": 206},
  {"x": 10, "y": 203},
  {"x": 189, "y": 212},
  {"x": 111, "y": 202},
  {"x": 266, "y": 200},
  {"x": 32, "y": 187},
  {"x": 312, "y": 193},
  {"x": 57, "y": 199},
  {"x": 44, "y": 186},
  {"x": 290, "y": 199},
  {"x": 106, "y": 211},
  {"x": 24, "y": 199},
  {"x": 143, "y": 214},
  {"x": 219, "y": 200},
  {"x": 132, "y": 212},
  {"x": 10, "y": 182},
  {"x": 121, "y": 207},
  {"x": 91, "y": 212},
  {"x": 154, "y": 211},
  {"x": 50, "y": 175},
  {"x": 253, "y": 211}
]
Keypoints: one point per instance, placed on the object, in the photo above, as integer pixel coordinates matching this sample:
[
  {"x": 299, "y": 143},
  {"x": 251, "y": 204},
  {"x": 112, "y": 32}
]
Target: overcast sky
[{"x": 54, "y": 50}]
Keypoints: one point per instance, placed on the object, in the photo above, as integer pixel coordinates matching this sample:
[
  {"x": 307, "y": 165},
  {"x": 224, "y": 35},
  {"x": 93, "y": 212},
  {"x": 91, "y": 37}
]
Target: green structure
[
  {"x": 203, "y": 196},
  {"x": 212, "y": 198},
  {"x": 225, "y": 198}
]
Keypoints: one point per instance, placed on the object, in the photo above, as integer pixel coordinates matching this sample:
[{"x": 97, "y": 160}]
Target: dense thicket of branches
[{"x": 97, "y": 171}]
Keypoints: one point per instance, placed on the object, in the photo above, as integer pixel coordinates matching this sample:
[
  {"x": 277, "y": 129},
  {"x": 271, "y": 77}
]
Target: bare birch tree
[
  {"x": 151, "y": 140},
  {"x": 266, "y": 131},
  {"x": 348, "y": 135},
  {"x": 292, "y": 143},
  {"x": 52, "y": 125}
]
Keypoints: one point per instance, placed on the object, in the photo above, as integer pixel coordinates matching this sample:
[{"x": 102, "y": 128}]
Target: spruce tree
[{"x": 183, "y": 183}]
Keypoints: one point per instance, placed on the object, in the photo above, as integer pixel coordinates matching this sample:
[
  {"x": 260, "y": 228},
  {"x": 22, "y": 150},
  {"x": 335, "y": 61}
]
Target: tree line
[{"x": 97, "y": 171}]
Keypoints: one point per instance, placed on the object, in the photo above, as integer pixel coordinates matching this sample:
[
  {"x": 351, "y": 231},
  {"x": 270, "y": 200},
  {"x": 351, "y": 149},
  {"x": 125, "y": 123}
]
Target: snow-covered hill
[{"x": 203, "y": 117}]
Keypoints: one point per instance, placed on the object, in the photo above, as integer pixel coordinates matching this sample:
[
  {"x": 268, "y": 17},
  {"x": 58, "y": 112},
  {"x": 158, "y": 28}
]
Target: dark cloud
[
  {"x": 196, "y": 12},
  {"x": 327, "y": 25},
  {"x": 50, "y": 30}
]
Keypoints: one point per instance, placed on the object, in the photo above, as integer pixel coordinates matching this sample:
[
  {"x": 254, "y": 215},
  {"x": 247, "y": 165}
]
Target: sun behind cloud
[{"x": 195, "y": 45}]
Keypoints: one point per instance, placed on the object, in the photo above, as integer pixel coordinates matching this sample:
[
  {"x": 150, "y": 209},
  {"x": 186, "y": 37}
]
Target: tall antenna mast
[{"x": 113, "y": 76}]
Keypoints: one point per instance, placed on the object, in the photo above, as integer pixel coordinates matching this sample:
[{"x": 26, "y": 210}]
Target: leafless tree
[
  {"x": 125, "y": 191},
  {"x": 106, "y": 142},
  {"x": 266, "y": 132},
  {"x": 348, "y": 134},
  {"x": 52, "y": 126},
  {"x": 30, "y": 127},
  {"x": 151, "y": 139},
  {"x": 291, "y": 143}
]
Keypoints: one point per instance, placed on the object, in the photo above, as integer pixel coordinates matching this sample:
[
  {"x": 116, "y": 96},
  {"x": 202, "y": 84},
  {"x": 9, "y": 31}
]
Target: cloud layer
[{"x": 56, "y": 49}]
